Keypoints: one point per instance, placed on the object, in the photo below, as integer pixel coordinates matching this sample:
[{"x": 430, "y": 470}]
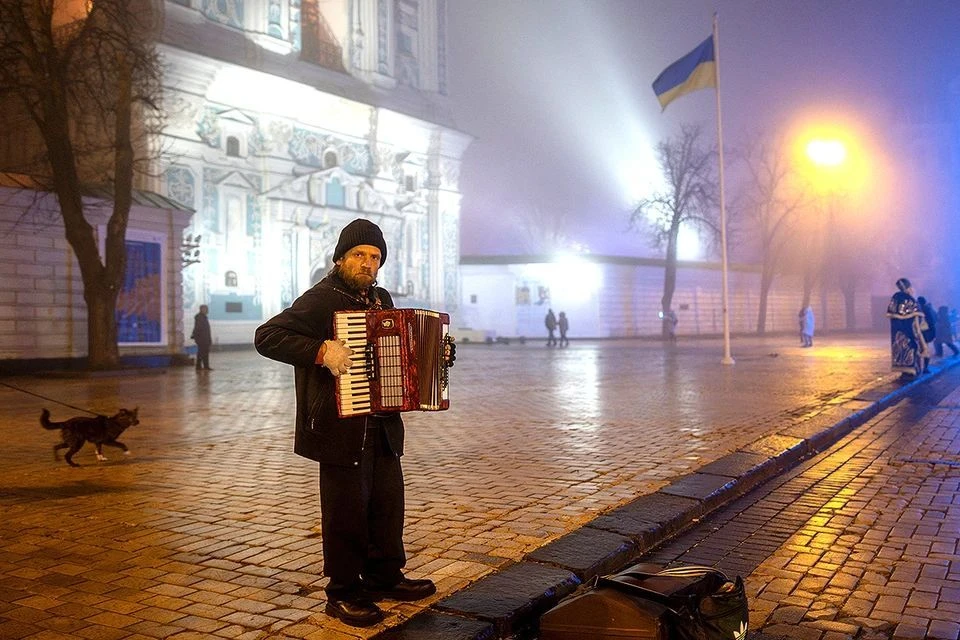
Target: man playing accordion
[{"x": 361, "y": 482}]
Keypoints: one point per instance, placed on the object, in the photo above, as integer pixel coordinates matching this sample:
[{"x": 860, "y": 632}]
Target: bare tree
[
  {"x": 86, "y": 77},
  {"x": 688, "y": 197},
  {"x": 543, "y": 231},
  {"x": 771, "y": 203},
  {"x": 855, "y": 247}
]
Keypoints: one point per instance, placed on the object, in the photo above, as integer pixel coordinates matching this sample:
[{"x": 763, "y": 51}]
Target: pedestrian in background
[
  {"x": 928, "y": 327},
  {"x": 807, "y": 324},
  {"x": 907, "y": 346},
  {"x": 671, "y": 320},
  {"x": 551, "y": 323},
  {"x": 563, "y": 324},
  {"x": 202, "y": 336},
  {"x": 944, "y": 332}
]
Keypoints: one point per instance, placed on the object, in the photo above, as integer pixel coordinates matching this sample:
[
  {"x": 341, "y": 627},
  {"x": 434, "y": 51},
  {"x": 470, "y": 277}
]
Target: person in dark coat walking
[
  {"x": 361, "y": 482},
  {"x": 563, "y": 325},
  {"x": 202, "y": 336},
  {"x": 928, "y": 328},
  {"x": 944, "y": 332},
  {"x": 550, "y": 322}
]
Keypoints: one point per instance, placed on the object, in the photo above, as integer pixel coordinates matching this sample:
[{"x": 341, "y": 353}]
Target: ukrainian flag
[{"x": 696, "y": 70}]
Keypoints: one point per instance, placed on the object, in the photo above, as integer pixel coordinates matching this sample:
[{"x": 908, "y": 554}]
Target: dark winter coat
[
  {"x": 931, "y": 317},
  {"x": 201, "y": 330},
  {"x": 294, "y": 336}
]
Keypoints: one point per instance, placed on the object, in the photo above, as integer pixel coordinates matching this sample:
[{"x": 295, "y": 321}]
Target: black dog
[{"x": 99, "y": 430}]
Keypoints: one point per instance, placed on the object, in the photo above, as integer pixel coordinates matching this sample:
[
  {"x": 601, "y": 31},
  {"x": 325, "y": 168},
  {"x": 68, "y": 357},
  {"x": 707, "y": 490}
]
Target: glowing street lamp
[{"x": 826, "y": 153}]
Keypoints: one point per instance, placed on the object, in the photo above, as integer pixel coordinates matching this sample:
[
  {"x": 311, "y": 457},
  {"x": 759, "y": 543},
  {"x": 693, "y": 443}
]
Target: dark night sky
[{"x": 557, "y": 92}]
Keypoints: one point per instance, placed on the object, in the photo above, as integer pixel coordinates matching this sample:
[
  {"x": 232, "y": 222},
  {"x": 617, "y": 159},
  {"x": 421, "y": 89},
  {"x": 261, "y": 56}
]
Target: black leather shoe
[
  {"x": 356, "y": 613},
  {"x": 406, "y": 590}
]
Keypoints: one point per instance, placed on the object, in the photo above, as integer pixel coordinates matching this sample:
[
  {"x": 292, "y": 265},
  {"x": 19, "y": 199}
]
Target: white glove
[{"x": 336, "y": 357}]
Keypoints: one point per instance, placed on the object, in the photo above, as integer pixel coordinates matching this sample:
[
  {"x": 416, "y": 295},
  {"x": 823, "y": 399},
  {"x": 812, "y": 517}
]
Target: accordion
[{"x": 398, "y": 361}]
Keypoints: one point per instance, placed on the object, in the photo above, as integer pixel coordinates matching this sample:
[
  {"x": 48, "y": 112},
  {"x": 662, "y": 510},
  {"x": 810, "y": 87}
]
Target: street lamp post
[{"x": 827, "y": 155}]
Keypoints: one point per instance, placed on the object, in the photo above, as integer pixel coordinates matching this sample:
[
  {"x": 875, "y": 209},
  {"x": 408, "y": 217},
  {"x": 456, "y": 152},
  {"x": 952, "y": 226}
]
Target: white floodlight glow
[{"x": 828, "y": 153}]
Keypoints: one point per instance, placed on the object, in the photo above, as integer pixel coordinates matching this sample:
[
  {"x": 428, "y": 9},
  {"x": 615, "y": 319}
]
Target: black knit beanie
[{"x": 359, "y": 232}]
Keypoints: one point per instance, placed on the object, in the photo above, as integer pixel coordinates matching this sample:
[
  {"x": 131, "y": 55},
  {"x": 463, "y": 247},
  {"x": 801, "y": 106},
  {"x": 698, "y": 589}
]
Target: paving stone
[
  {"x": 650, "y": 518},
  {"x": 739, "y": 464},
  {"x": 438, "y": 626},
  {"x": 512, "y": 598},
  {"x": 785, "y": 449},
  {"x": 587, "y": 552}
]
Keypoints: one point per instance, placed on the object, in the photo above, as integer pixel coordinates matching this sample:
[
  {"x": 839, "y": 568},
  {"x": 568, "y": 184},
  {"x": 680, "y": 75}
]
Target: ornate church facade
[{"x": 286, "y": 119}]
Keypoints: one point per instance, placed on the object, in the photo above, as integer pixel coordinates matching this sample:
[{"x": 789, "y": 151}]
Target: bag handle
[{"x": 679, "y": 572}]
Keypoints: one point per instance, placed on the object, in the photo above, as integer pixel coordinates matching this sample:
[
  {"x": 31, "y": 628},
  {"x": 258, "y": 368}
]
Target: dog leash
[{"x": 43, "y": 397}]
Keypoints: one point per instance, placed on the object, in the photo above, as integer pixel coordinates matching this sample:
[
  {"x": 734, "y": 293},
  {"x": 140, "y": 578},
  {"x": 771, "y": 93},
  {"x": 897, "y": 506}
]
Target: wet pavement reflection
[{"x": 537, "y": 442}]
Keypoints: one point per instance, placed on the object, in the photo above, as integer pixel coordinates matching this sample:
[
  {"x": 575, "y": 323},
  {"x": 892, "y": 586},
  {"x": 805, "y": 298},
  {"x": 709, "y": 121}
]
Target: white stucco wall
[
  {"x": 620, "y": 297},
  {"x": 42, "y": 311}
]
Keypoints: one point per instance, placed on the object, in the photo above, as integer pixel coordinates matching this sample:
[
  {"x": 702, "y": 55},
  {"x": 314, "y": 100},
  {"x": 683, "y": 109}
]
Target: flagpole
[{"x": 727, "y": 358}]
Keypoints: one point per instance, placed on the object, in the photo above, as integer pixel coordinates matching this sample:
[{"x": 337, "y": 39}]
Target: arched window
[
  {"x": 230, "y": 279},
  {"x": 233, "y": 146},
  {"x": 330, "y": 159}
]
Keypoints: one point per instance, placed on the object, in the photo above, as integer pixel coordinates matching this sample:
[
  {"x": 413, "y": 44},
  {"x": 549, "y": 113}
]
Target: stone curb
[{"x": 513, "y": 599}]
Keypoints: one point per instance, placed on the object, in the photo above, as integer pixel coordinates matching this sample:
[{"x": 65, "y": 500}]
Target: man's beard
[{"x": 358, "y": 281}]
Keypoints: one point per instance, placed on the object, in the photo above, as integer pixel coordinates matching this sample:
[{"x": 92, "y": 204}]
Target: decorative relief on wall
[
  {"x": 450, "y": 174},
  {"x": 407, "y": 29},
  {"x": 383, "y": 60},
  {"x": 181, "y": 186},
  {"x": 323, "y": 240},
  {"x": 180, "y": 110},
  {"x": 257, "y": 143},
  {"x": 275, "y": 19},
  {"x": 442, "y": 47},
  {"x": 296, "y": 28},
  {"x": 450, "y": 228},
  {"x": 208, "y": 128},
  {"x": 356, "y": 35},
  {"x": 254, "y": 218},
  {"x": 210, "y": 210},
  {"x": 308, "y": 147},
  {"x": 228, "y": 12},
  {"x": 286, "y": 269},
  {"x": 189, "y": 279}
]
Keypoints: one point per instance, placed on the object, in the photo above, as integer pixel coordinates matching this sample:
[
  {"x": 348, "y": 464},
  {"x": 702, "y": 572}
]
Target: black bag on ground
[
  {"x": 647, "y": 601},
  {"x": 702, "y": 602}
]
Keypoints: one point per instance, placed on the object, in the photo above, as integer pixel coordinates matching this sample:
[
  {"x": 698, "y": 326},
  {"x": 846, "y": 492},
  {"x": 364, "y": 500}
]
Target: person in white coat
[{"x": 806, "y": 331}]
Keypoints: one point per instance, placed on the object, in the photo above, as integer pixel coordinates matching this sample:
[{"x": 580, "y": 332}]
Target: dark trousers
[
  {"x": 550, "y": 339},
  {"x": 203, "y": 356},
  {"x": 938, "y": 346},
  {"x": 361, "y": 512}
]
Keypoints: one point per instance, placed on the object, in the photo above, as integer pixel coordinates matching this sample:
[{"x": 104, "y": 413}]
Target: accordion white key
[{"x": 398, "y": 361}]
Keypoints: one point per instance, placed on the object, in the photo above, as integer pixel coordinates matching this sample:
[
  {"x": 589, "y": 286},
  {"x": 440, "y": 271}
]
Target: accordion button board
[{"x": 398, "y": 361}]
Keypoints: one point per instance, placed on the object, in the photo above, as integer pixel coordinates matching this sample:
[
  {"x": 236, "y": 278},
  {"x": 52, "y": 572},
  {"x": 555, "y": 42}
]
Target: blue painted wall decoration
[
  {"x": 140, "y": 303},
  {"x": 229, "y": 12},
  {"x": 308, "y": 147}
]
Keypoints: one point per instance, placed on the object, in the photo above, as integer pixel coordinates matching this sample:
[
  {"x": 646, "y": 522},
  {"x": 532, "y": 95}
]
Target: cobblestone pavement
[
  {"x": 210, "y": 527},
  {"x": 860, "y": 541}
]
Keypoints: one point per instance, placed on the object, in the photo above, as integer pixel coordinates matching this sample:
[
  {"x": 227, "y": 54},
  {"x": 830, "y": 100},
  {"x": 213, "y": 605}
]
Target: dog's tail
[{"x": 45, "y": 421}]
